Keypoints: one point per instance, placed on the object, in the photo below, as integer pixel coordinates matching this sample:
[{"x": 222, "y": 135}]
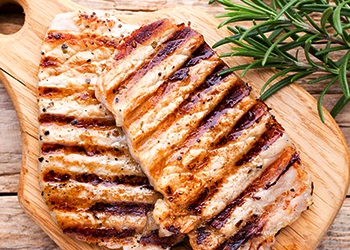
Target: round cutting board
[{"x": 322, "y": 146}]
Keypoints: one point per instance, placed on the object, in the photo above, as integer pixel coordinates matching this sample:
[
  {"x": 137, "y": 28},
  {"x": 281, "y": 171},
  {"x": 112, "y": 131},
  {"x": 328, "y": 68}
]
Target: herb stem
[{"x": 282, "y": 29}]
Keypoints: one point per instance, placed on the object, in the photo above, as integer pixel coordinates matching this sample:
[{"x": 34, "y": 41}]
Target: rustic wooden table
[{"x": 17, "y": 231}]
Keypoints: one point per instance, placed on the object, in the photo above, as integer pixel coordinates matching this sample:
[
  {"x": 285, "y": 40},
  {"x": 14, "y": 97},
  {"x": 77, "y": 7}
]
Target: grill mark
[
  {"x": 94, "y": 179},
  {"x": 188, "y": 104},
  {"x": 273, "y": 133},
  {"x": 173, "y": 229},
  {"x": 267, "y": 179},
  {"x": 125, "y": 166},
  {"x": 140, "y": 36},
  {"x": 204, "y": 52},
  {"x": 70, "y": 196},
  {"x": 71, "y": 89},
  {"x": 161, "y": 52},
  {"x": 165, "y": 242},
  {"x": 212, "y": 80},
  {"x": 198, "y": 163},
  {"x": 197, "y": 206},
  {"x": 181, "y": 76},
  {"x": 170, "y": 45},
  {"x": 295, "y": 159},
  {"x": 99, "y": 233},
  {"x": 250, "y": 230},
  {"x": 101, "y": 123},
  {"x": 122, "y": 208},
  {"x": 252, "y": 116},
  {"x": 202, "y": 234},
  {"x": 88, "y": 40},
  {"x": 49, "y": 61},
  {"x": 54, "y": 91},
  {"x": 233, "y": 97},
  {"x": 88, "y": 150},
  {"x": 82, "y": 96}
]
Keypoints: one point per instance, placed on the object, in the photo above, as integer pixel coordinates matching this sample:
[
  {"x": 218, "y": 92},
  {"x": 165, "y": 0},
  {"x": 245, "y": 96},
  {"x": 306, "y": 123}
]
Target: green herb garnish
[{"x": 283, "y": 29}]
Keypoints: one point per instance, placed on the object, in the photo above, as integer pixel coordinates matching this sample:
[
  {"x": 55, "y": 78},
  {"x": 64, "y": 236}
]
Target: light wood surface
[{"x": 323, "y": 147}]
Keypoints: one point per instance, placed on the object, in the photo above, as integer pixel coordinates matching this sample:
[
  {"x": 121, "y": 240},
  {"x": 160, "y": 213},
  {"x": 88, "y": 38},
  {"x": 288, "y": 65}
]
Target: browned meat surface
[
  {"x": 94, "y": 189},
  {"x": 228, "y": 173}
]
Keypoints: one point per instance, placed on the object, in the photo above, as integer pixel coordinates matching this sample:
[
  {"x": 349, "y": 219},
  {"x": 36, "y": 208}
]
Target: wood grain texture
[
  {"x": 24, "y": 233},
  {"x": 10, "y": 148},
  {"x": 27, "y": 112}
]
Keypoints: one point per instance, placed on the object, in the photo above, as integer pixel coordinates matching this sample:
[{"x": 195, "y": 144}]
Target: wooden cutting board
[{"x": 322, "y": 146}]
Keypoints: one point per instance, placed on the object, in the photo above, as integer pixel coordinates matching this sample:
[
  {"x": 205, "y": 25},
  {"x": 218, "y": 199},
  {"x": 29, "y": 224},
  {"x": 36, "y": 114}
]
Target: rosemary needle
[{"x": 291, "y": 20}]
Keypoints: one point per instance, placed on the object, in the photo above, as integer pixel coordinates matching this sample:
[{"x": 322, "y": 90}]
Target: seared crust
[
  {"x": 94, "y": 189},
  {"x": 205, "y": 143}
]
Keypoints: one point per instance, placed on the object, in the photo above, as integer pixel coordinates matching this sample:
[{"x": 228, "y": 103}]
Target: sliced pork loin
[
  {"x": 228, "y": 173},
  {"x": 94, "y": 189}
]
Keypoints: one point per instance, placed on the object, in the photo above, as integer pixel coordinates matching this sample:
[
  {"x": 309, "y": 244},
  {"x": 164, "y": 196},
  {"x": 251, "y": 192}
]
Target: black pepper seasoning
[{"x": 64, "y": 46}]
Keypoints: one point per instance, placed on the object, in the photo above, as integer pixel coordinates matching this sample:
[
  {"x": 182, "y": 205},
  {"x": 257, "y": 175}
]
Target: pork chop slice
[
  {"x": 203, "y": 140},
  {"x": 94, "y": 189}
]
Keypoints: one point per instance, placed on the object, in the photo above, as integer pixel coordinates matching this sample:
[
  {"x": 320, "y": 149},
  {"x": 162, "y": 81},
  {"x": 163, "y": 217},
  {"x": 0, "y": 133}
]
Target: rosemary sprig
[{"x": 283, "y": 29}]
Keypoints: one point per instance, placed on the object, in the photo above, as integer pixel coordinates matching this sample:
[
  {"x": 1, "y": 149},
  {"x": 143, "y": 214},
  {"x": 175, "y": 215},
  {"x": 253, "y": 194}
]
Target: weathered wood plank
[
  {"x": 338, "y": 236},
  {"x": 10, "y": 145},
  {"x": 18, "y": 231}
]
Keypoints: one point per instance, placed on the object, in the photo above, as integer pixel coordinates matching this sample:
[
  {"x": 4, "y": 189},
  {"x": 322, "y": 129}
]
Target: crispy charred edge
[
  {"x": 204, "y": 52},
  {"x": 252, "y": 228},
  {"x": 94, "y": 179},
  {"x": 253, "y": 115},
  {"x": 267, "y": 179},
  {"x": 98, "y": 234},
  {"x": 88, "y": 150},
  {"x": 273, "y": 133},
  {"x": 162, "y": 51},
  {"x": 101, "y": 123},
  {"x": 140, "y": 36},
  {"x": 164, "y": 242}
]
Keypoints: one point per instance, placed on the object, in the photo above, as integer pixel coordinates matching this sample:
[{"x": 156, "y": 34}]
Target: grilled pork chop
[
  {"x": 95, "y": 191},
  {"x": 228, "y": 173}
]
